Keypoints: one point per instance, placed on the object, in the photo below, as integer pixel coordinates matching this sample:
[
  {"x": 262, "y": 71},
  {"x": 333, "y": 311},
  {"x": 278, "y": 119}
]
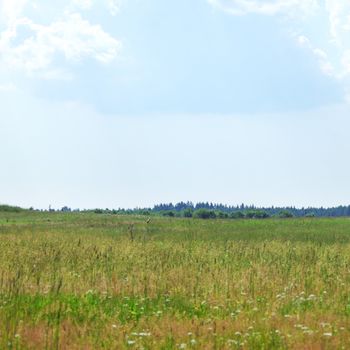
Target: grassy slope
[{"x": 79, "y": 281}]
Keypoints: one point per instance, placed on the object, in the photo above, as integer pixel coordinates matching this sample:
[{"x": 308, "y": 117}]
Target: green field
[{"x": 89, "y": 281}]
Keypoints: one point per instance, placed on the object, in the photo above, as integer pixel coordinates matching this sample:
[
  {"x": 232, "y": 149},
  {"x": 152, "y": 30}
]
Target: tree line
[{"x": 206, "y": 210}]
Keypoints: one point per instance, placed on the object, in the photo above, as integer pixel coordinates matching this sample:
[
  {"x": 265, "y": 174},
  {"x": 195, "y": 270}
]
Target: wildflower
[
  {"x": 131, "y": 342},
  {"x": 298, "y": 326},
  {"x": 144, "y": 334},
  {"x": 114, "y": 326},
  {"x": 327, "y": 334},
  {"x": 182, "y": 346},
  {"x": 193, "y": 341}
]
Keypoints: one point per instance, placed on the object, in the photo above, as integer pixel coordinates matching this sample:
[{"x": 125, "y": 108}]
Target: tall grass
[{"x": 84, "y": 281}]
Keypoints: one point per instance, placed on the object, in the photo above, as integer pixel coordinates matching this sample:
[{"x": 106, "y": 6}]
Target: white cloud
[
  {"x": 44, "y": 48},
  {"x": 243, "y": 7},
  {"x": 346, "y": 62},
  {"x": 321, "y": 56},
  {"x": 83, "y": 4},
  {"x": 338, "y": 13},
  {"x": 336, "y": 46},
  {"x": 331, "y": 51},
  {"x": 8, "y": 87},
  {"x": 11, "y": 9},
  {"x": 114, "y": 6}
]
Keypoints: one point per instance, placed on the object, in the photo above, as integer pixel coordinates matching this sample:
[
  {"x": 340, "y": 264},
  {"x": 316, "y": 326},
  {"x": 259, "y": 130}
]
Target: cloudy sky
[{"x": 125, "y": 103}]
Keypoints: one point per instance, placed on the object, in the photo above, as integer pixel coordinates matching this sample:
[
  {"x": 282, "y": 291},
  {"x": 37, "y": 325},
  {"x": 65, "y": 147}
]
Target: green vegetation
[
  {"x": 221, "y": 211},
  {"x": 9, "y": 209},
  {"x": 97, "y": 281},
  {"x": 213, "y": 211}
]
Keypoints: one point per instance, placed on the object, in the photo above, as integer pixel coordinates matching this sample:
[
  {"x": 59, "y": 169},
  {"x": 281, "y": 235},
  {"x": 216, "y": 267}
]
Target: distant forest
[
  {"x": 206, "y": 210},
  {"x": 271, "y": 211}
]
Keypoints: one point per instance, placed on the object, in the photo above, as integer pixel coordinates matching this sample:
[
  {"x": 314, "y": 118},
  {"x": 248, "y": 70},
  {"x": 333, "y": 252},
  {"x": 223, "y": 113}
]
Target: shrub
[
  {"x": 204, "y": 214},
  {"x": 237, "y": 215},
  {"x": 256, "y": 214},
  {"x": 10, "y": 209},
  {"x": 285, "y": 214},
  {"x": 169, "y": 213},
  {"x": 221, "y": 215},
  {"x": 188, "y": 213}
]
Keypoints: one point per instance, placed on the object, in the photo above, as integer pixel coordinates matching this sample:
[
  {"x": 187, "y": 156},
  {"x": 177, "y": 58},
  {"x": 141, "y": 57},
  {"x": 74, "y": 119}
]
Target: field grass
[{"x": 88, "y": 281}]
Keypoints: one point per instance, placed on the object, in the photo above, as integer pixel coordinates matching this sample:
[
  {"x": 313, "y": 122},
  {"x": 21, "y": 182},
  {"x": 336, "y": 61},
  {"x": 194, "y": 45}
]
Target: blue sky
[{"x": 124, "y": 103}]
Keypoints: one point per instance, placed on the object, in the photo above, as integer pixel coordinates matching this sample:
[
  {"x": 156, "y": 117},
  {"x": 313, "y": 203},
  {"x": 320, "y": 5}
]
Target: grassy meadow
[{"x": 89, "y": 281}]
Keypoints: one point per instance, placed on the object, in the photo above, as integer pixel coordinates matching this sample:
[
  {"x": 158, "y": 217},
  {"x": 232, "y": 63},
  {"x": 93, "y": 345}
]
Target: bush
[
  {"x": 260, "y": 214},
  {"x": 188, "y": 213},
  {"x": 256, "y": 214},
  {"x": 237, "y": 215},
  {"x": 168, "y": 213},
  {"x": 204, "y": 214},
  {"x": 285, "y": 214},
  {"x": 10, "y": 209},
  {"x": 222, "y": 215}
]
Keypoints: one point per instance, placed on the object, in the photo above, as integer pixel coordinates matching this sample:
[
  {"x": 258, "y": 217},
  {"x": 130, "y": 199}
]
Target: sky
[{"x": 129, "y": 103}]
